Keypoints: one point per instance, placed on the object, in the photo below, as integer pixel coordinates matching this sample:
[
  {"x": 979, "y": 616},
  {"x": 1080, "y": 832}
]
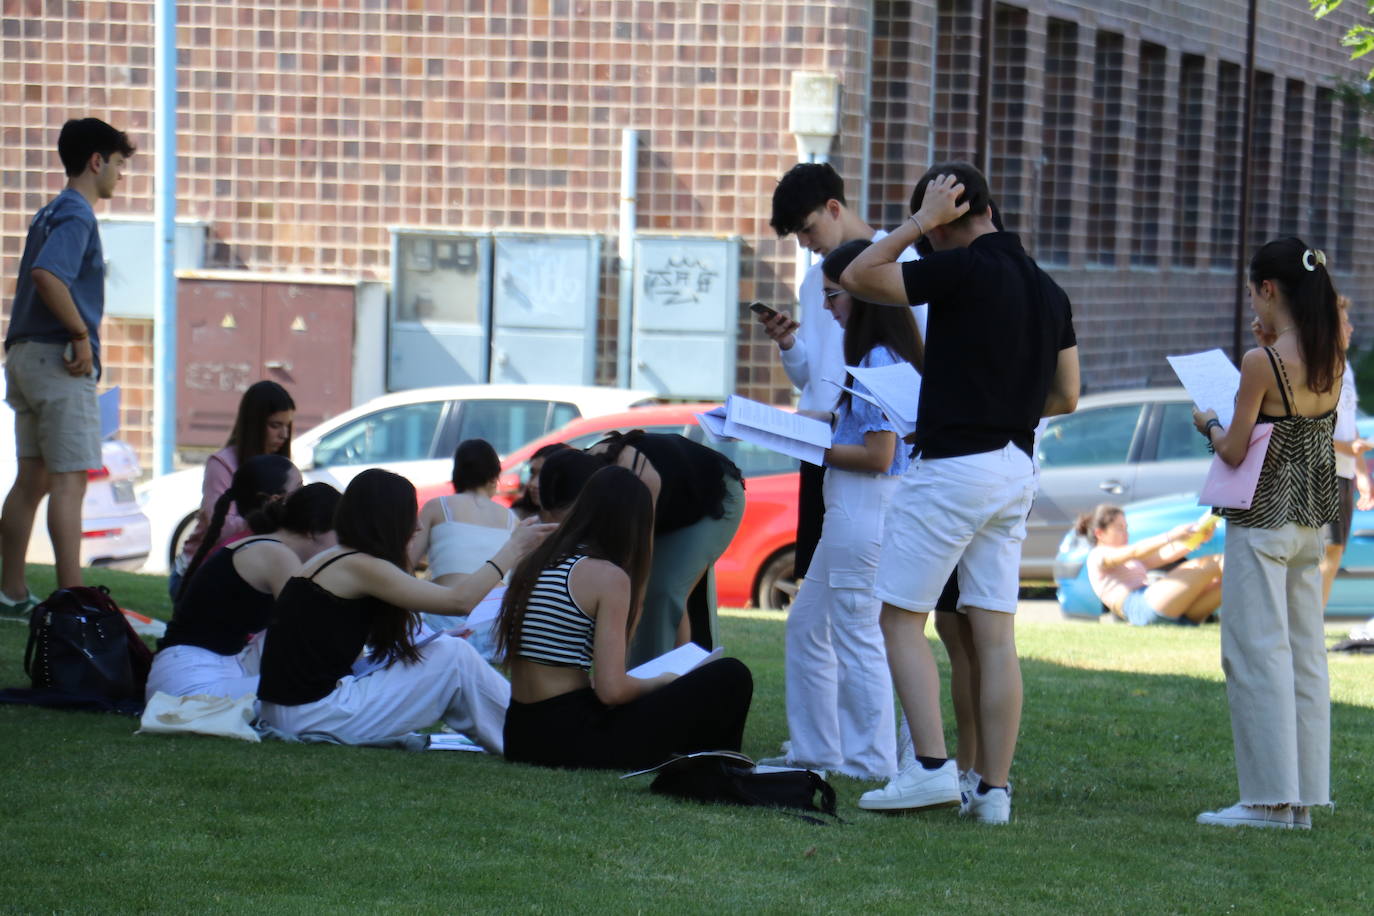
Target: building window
[
  {"x": 1345, "y": 200},
  {"x": 1057, "y": 142},
  {"x": 1226, "y": 173},
  {"x": 956, "y": 81},
  {"x": 1294, "y": 155},
  {"x": 1149, "y": 156},
  {"x": 1104, "y": 166},
  {"x": 1320, "y": 214},
  {"x": 1191, "y": 90},
  {"x": 893, "y": 114},
  {"x": 1007, "y": 164},
  {"x": 1263, "y": 182}
]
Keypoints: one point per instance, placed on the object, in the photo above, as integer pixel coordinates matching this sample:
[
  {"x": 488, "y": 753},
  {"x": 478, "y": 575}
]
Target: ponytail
[
  {"x": 211, "y": 538},
  {"x": 1300, "y": 274},
  {"x": 1089, "y": 523}
]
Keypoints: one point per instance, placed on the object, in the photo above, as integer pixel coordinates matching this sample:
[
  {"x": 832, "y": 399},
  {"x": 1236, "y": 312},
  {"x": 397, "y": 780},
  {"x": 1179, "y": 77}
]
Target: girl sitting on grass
[{"x": 565, "y": 628}]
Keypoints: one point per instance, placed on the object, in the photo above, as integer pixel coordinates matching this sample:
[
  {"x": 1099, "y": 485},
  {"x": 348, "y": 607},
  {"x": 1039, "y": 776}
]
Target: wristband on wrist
[
  {"x": 1211, "y": 424},
  {"x": 499, "y": 574},
  {"x": 915, "y": 219}
]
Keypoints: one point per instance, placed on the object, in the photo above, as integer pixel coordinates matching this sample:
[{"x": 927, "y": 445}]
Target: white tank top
[{"x": 462, "y": 547}]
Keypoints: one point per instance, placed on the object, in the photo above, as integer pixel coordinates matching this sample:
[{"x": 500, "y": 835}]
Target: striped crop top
[{"x": 554, "y": 631}]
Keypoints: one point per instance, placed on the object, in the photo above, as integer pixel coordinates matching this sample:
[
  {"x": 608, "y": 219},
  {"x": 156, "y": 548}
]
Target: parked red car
[{"x": 756, "y": 569}]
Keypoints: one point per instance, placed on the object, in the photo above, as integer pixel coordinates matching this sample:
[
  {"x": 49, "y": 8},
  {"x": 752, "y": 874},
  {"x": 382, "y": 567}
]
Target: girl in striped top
[
  {"x": 565, "y": 625},
  {"x": 1273, "y": 647}
]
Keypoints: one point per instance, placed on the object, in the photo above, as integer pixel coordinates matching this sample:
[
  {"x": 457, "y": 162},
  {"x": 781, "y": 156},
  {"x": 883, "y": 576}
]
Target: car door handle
[
  {"x": 278, "y": 364},
  {"x": 1113, "y": 487}
]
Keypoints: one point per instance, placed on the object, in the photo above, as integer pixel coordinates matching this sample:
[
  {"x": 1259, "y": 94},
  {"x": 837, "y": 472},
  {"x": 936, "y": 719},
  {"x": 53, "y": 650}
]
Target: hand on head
[{"x": 938, "y": 206}]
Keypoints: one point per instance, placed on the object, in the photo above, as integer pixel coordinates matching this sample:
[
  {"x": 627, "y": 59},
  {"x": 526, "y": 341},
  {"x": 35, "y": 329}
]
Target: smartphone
[{"x": 763, "y": 311}]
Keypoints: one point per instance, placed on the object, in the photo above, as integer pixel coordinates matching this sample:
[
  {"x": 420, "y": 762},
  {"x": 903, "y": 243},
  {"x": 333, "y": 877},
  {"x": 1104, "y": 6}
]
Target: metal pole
[
  {"x": 164, "y": 221},
  {"x": 629, "y": 191},
  {"x": 984, "y": 140},
  {"x": 1246, "y": 165}
]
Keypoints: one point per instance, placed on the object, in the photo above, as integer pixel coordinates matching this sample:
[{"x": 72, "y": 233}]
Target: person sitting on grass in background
[
  {"x": 565, "y": 630},
  {"x": 262, "y": 426},
  {"x": 1119, "y": 571},
  {"x": 227, "y": 599},
  {"x": 360, "y": 597}
]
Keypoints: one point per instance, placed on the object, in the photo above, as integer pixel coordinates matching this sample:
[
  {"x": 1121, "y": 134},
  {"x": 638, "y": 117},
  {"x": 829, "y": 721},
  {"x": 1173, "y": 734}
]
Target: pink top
[
  {"x": 1114, "y": 584},
  {"x": 219, "y": 475}
]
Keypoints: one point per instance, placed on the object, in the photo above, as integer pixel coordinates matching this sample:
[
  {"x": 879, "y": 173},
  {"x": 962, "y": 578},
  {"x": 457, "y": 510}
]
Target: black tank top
[
  {"x": 219, "y": 611},
  {"x": 313, "y": 640}
]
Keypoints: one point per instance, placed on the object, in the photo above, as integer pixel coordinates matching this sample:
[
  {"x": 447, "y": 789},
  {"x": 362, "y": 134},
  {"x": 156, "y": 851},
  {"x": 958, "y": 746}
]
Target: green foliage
[
  {"x": 1125, "y": 738},
  {"x": 1358, "y": 38}
]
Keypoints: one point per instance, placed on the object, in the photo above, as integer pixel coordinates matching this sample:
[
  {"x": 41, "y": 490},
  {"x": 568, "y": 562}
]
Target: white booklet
[
  {"x": 894, "y": 389},
  {"x": 779, "y": 430},
  {"x": 679, "y": 661},
  {"x": 1211, "y": 381}
]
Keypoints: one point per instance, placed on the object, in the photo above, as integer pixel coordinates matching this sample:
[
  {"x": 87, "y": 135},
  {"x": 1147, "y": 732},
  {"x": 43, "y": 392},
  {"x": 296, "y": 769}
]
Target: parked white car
[
  {"x": 114, "y": 531},
  {"x": 412, "y": 433}
]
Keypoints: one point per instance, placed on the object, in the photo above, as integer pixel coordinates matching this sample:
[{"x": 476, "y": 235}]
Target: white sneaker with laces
[
  {"x": 968, "y": 781},
  {"x": 990, "y": 807},
  {"x": 916, "y": 788},
  {"x": 1248, "y": 816}
]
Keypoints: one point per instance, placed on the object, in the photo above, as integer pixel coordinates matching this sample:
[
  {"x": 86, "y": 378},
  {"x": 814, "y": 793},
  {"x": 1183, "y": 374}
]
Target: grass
[{"x": 1125, "y": 738}]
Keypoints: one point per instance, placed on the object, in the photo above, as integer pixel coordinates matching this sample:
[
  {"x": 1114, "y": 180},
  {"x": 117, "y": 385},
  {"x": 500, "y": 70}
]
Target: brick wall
[{"x": 306, "y": 130}]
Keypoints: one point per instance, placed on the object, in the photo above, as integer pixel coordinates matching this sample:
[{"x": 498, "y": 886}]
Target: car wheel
[
  {"x": 776, "y": 585},
  {"x": 179, "y": 537}
]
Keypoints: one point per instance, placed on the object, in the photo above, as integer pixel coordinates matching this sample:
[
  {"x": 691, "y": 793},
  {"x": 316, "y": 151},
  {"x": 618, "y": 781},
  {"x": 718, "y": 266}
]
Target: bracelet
[
  {"x": 917, "y": 221},
  {"x": 499, "y": 574},
  {"x": 1207, "y": 428}
]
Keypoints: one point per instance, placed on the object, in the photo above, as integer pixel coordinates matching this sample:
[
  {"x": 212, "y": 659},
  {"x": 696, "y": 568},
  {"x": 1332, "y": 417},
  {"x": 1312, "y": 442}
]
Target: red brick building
[{"x": 1113, "y": 133}]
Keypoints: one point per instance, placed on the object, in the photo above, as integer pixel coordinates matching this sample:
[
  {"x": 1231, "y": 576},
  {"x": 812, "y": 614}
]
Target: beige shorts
[{"x": 56, "y": 414}]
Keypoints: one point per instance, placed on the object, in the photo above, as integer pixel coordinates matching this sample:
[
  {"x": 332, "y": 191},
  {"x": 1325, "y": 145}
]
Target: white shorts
[{"x": 967, "y": 513}]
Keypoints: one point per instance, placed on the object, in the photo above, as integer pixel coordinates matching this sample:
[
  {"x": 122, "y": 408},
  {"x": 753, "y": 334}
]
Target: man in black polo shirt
[{"x": 1000, "y": 354}]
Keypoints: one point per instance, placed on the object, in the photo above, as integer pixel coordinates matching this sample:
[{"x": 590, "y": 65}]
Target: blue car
[{"x": 1352, "y": 595}]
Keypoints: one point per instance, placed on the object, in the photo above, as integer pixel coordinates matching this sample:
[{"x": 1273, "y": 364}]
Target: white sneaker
[
  {"x": 968, "y": 781},
  {"x": 1248, "y": 816},
  {"x": 916, "y": 788},
  {"x": 1363, "y": 631},
  {"x": 991, "y": 807}
]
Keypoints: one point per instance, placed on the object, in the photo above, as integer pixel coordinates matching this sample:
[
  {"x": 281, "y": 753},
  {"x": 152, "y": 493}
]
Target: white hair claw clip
[{"x": 1312, "y": 257}]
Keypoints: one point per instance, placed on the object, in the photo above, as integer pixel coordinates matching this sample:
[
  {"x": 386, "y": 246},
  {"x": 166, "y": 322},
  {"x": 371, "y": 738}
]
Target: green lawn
[{"x": 1125, "y": 739}]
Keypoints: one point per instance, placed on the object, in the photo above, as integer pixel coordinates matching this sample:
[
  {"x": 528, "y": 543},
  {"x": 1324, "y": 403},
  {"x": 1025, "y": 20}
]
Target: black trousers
[
  {"x": 704, "y": 710},
  {"x": 810, "y": 515}
]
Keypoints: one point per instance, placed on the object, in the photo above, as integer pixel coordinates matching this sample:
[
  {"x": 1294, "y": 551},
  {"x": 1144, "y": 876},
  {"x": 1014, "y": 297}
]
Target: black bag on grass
[
  {"x": 81, "y": 643},
  {"x": 727, "y": 777}
]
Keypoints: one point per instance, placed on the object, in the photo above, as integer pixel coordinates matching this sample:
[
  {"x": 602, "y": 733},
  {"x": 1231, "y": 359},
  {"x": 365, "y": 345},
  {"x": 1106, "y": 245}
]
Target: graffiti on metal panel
[
  {"x": 681, "y": 281},
  {"x": 207, "y": 376}
]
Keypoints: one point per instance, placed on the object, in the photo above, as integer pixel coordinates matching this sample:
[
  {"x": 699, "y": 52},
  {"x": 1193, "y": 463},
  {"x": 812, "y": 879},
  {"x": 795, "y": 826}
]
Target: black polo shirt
[{"x": 993, "y": 334}]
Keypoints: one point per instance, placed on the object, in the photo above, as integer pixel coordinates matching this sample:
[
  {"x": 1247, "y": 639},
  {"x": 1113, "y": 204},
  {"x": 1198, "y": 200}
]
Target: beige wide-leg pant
[{"x": 1274, "y": 654}]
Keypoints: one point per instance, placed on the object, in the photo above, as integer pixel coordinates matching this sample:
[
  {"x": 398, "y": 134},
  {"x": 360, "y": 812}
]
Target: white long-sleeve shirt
[{"x": 818, "y": 350}]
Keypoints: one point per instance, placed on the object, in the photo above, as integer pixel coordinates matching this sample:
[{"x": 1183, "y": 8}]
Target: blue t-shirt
[
  {"x": 860, "y": 417},
  {"x": 65, "y": 241}
]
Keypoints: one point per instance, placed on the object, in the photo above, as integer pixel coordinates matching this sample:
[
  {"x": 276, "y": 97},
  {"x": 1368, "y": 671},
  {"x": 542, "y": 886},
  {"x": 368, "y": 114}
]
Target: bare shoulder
[{"x": 593, "y": 573}]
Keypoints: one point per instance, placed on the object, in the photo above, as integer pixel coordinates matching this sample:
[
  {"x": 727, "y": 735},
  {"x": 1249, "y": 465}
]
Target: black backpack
[
  {"x": 728, "y": 777},
  {"x": 81, "y": 643}
]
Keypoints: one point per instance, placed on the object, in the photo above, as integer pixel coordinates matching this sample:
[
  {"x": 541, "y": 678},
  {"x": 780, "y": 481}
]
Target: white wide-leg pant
[
  {"x": 1273, "y": 651},
  {"x": 451, "y": 682},
  {"x": 183, "y": 671},
  {"x": 839, "y": 688}
]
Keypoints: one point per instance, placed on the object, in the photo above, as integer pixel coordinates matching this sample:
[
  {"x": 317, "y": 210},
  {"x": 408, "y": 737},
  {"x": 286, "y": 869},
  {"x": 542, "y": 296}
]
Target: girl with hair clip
[
  {"x": 1273, "y": 648},
  {"x": 360, "y": 596},
  {"x": 571, "y": 608},
  {"x": 226, "y": 600},
  {"x": 839, "y": 687},
  {"x": 261, "y": 427}
]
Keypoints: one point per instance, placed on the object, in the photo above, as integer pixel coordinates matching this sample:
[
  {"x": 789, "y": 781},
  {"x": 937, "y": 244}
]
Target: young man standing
[
  {"x": 53, "y": 359},
  {"x": 809, "y": 202},
  {"x": 1004, "y": 355}
]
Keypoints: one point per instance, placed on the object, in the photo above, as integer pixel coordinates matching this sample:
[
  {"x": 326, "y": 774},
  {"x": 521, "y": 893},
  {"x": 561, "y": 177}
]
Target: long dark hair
[
  {"x": 249, "y": 435},
  {"x": 612, "y": 520},
  {"x": 1293, "y": 267},
  {"x": 871, "y": 325},
  {"x": 255, "y": 484},
  {"x": 376, "y": 516},
  {"x": 563, "y": 476}
]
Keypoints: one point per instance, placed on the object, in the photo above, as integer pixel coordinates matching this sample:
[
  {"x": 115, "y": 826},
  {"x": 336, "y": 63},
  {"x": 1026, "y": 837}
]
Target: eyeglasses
[{"x": 832, "y": 293}]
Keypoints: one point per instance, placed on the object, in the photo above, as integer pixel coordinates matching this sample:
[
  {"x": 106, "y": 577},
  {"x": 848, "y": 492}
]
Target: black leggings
[{"x": 704, "y": 710}]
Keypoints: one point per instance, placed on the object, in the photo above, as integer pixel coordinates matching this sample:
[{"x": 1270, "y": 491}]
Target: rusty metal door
[{"x": 234, "y": 332}]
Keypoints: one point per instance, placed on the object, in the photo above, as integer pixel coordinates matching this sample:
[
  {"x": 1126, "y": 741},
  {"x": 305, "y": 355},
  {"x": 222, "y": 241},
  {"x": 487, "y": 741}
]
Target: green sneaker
[{"x": 17, "y": 610}]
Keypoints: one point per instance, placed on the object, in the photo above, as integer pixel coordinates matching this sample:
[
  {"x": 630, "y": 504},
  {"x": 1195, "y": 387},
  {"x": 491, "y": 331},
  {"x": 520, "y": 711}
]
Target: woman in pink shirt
[
  {"x": 1120, "y": 571},
  {"x": 262, "y": 427}
]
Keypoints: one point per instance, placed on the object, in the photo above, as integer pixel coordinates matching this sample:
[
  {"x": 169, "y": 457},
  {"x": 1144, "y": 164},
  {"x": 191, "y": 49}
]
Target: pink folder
[{"x": 1234, "y": 487}]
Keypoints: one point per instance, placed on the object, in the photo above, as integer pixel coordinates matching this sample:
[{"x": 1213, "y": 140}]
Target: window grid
[
  {"x": 1057, "y": 142},
  {"x": 956, "y": 82},
  {"x": 1263, "y": 182},
  {"x": 1007, "y": 168},
  {"x": 1294, "y": 154},
  {"x": 1105, "y": 162},
  {"x": 1149, "y": 155},
  {"x": 1323, "y": 151},
  {"x": 1191, "y": 90},
  {"x": 1226, "y": 172},
  {"x": 1345, "y": 200}
]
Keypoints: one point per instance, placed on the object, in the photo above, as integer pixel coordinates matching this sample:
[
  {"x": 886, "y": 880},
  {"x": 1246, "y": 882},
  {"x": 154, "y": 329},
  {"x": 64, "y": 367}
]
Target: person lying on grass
[{"x": 564, "y": 629}]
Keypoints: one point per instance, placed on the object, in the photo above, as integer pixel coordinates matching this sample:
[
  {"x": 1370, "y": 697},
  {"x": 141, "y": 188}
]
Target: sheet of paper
[
  {"x": 679, "y": 661},
  {"x": 1211, "y": 381},
  {"x": 785, "y": 433},
  {"x": 487, "y": 609},
  {"x": 712, "y": 422},
  {"x": 447, "y": 742},
  {"x": 896, "y": 390}
]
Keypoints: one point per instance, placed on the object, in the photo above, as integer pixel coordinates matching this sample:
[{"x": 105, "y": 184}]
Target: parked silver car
[{"x": 1119, "y": 446}]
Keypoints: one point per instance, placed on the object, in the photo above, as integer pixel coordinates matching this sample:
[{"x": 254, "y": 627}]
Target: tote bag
[{"x": 1229, "y": 487}]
